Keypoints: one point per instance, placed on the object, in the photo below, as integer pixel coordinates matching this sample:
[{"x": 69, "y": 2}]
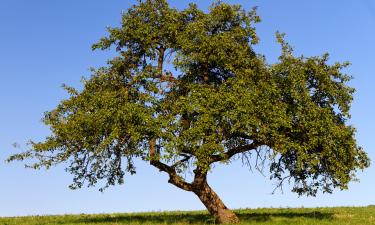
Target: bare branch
[
  {"x": 180, "y": 162},
  {"x": 231, "y": 152},
  {"x": 280, "y": 184}
]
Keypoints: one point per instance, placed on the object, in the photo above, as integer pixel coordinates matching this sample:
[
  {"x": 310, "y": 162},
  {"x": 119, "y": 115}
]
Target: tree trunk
[{"x": 214, "y": 204}]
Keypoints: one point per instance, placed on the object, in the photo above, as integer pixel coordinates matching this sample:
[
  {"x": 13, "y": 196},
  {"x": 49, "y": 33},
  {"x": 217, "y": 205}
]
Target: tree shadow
[
  {"x": 152, "y": 218},
  {"x": 267, "y": 216},
  {"x": 192, "y": 218}
]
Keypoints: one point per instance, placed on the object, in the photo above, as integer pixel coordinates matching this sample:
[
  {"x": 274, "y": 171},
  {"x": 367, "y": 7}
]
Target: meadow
[{"x": 274, "y": 216}]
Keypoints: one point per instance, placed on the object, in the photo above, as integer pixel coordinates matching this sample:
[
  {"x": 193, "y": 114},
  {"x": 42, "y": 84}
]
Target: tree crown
[{"x": 187, "y": 90}]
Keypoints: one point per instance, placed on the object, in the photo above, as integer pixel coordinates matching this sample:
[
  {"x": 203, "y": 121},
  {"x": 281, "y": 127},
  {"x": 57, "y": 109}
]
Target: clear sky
[{"x": 45, "y": 43}]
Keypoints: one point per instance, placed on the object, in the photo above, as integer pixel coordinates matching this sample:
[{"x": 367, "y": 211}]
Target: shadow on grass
[
  {"x": 264, "y": 217},
  {"x": 157, "y": 218},
  {"x": 192, "y": 218}
]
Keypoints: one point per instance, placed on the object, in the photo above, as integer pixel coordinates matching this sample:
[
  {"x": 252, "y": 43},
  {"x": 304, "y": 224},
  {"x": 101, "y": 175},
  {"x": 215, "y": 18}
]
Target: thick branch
[
  {"x": 152, "y": 151},
  {"x": 200, "y": 178},
  {"x": 173, "y": 176},
  {"x": 231, "y": 152},
  {"x": 161, "y": 60}
]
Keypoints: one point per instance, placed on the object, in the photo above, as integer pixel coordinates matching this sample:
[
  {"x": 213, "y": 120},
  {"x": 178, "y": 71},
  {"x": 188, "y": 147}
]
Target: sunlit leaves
[{"x": 220, "y": 96}]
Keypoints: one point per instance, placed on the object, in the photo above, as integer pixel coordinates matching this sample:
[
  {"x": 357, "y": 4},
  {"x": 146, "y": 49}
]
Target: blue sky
[{"x": 46, "y": 43}]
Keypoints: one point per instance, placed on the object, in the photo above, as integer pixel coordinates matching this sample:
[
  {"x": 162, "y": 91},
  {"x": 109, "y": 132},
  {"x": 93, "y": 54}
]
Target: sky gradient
[{"x": 44, "y": 44}]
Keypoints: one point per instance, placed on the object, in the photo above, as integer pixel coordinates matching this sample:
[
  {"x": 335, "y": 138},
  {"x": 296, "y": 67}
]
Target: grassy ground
[{"x": 300, "y": 216}]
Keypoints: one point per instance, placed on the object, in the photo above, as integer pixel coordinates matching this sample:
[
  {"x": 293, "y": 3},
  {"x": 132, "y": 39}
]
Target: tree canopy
[{"x": 187, "y": 90}]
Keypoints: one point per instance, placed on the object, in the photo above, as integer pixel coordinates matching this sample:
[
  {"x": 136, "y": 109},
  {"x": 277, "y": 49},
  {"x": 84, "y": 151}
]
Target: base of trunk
[
  {"x": 215, "y": 206},
  {"x": 226, "y": 216}
]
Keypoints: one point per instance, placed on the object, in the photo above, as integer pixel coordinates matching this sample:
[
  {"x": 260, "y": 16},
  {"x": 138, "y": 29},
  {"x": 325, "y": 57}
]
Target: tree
[{"x": 186, "y": 91}]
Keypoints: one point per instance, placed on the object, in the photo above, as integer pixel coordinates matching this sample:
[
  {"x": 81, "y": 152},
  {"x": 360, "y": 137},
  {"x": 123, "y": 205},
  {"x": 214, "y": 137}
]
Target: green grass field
[{"x": 300, "y": 216}]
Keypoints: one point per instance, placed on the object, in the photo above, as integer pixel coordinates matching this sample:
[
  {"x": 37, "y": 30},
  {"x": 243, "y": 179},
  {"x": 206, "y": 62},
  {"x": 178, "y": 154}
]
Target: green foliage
[{"x": 221, "y": 100}]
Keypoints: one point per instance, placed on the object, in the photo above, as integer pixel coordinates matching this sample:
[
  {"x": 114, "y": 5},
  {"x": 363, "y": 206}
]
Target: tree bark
[
  {"x": 199, "y": 186},
  {"x": 214, "y": 204}
]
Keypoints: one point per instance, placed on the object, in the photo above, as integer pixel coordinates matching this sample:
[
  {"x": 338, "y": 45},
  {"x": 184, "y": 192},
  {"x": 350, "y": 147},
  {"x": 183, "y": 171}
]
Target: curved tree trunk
[
  {"x": 199, "y": 186},
  {"x": 214, "y": 204}
]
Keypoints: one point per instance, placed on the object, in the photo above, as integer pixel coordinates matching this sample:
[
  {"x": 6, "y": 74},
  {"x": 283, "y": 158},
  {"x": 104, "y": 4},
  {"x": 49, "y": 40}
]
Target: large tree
[{"x": 186, "y": 91}]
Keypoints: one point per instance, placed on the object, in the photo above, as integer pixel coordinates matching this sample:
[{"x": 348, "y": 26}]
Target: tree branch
[
  {"x": 173, "y": 176},
  {"x": 231, "y": 152},
  {"x": 200, "y": 177},
  {"x": 185, "y": 159},
  {"x": 161, "y": 59}
]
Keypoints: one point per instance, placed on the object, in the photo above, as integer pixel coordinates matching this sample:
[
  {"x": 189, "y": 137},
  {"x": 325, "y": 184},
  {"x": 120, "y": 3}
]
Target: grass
[{"x": 300, "y": 216}]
